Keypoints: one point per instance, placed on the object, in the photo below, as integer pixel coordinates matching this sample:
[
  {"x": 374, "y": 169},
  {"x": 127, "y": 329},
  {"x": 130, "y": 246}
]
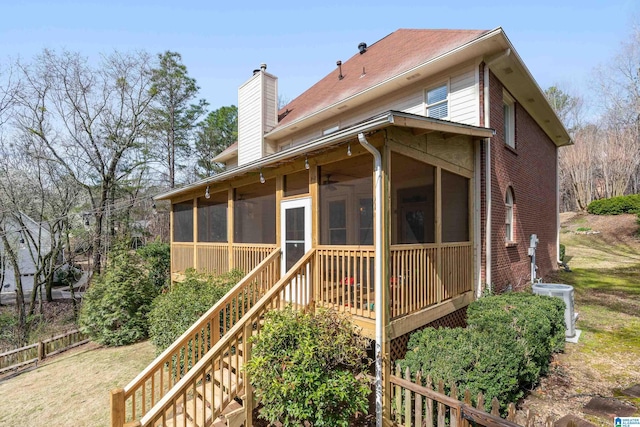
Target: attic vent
[
  {"x": 362, "y": 47},
  {"x": 413, "y": 76}
]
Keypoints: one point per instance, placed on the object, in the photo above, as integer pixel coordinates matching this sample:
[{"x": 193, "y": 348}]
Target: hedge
[
  {"x": 173, "y": 312},
  {"x": 615, "y": 205},
  {"x": 505, "y": 348}
]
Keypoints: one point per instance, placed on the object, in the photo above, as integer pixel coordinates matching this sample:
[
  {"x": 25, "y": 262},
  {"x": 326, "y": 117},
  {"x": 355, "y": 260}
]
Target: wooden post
[
  {"x": 386, "y": 239},
  {"x": 195, "y": 233},
  {"x": 438, "y": 225},
  {"x": 117, "y": 407},
  {"x": 41, "y": 354},
  {"x": 249, "y": 400},
  {"x": 230, "y": 235}
]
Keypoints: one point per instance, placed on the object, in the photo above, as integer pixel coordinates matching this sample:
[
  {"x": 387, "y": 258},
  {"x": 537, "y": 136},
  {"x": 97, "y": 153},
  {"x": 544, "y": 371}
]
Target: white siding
[
  {"x": 270, "y": 108},
  {"x": 249, "y": 120},
  {"x": 463, "y": 99}
]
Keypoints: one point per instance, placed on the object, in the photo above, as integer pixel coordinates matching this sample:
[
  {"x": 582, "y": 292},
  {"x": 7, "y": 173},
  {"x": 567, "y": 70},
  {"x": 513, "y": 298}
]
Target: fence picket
[
  {"x": 441, "y": 407},
  {"x": 429, "y": 404}
]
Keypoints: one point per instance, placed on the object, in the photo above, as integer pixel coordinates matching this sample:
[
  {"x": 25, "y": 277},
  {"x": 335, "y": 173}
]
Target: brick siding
[{"x": 530, "y": 170}]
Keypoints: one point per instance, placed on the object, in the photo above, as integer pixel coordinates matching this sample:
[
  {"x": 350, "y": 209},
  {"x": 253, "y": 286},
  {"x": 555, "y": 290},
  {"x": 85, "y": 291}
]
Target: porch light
[
  {"x": 262, "y": 180},
  {"x": 306, "y": 162},
  {"x": 206, "y": 193},
  {"x": 349, "y": 150}
]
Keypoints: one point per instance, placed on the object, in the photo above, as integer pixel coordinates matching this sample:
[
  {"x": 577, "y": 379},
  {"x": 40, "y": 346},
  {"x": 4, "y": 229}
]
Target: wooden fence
[
  {"x": 417, "y": 405},
  {"x": 21, "y": 357}
]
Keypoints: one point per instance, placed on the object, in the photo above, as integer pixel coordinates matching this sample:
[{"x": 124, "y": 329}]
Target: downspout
[
  {"x": 487, "y": 145},
  {"x": 377, "y": 272},
  {"x": 560, "y": 262}
]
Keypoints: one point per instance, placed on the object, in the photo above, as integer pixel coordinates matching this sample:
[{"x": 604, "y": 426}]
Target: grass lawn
[
  {"x": 606, "y": 279},
  {"x": 71, "y": 389}
]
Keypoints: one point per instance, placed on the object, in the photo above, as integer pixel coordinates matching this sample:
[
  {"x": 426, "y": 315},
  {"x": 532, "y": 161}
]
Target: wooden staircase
[{"x": 199, "y": 380}]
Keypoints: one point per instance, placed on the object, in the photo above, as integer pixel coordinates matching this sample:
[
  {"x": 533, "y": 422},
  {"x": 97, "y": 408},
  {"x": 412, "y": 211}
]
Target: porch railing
[
  {"x": 217, "y": 257},
  {"x": 345, "y": 279},
  {"x": 175, "y": 362},
  {"x": 420, "y": 276}
]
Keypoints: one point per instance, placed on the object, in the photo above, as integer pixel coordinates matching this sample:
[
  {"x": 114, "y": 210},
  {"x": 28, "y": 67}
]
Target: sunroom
[{"x": 320, "y": 195}]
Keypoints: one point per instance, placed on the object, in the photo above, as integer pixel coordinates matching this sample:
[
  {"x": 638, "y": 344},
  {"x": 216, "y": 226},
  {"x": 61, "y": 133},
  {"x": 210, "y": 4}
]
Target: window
[
  {"x": 438, "y": 102},
  {"x": 508, "y": 108},
  {"x": 254, "y": 213},
  {"x": 508, "y": 204}
]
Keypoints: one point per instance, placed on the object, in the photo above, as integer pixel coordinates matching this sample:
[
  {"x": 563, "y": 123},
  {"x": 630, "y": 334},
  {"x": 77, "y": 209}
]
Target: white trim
[
  {"x": 284, "y": 206},
  {"x": 476, "y": 220}
]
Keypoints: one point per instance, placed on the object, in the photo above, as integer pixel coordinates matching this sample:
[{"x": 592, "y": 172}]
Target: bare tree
[{"x": 90, "y": 120}]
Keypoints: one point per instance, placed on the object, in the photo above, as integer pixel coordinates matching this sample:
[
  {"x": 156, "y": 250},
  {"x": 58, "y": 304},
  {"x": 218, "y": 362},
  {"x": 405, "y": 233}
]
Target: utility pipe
[{"x": 377, "y": 272}]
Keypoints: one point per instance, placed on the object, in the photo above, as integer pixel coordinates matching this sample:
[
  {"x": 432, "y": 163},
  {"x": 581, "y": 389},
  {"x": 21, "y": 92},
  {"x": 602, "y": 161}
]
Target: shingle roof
[{"x": 398, "y": 52}]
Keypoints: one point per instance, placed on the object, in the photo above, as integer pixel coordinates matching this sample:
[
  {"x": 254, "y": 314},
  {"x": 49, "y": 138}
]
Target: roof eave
[{"x": 374, "y": 123}]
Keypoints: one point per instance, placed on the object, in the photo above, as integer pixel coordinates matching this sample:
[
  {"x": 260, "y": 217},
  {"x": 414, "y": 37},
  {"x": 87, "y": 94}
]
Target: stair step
[
  {"x": 220, "y": 396},
  {"x": 200, "y": 414},
  {"x": 226, "y": 378},
  {"x": 234, "y": 414},
  {"x": 180, "y": 421}
]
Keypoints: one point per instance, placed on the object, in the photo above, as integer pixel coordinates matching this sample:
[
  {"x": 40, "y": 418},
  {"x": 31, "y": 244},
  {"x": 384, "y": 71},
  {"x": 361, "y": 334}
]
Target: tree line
[
  {"x": 85, "y": 145},
  {"x": 604, "y": 160}
]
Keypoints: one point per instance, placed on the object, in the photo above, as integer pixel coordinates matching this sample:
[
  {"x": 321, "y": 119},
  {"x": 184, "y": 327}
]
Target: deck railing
[
  {"x": 247, "y": 255},
  {"x": 232, "y": 350},
  {"x": 175, "y": 362},
  {"x": 181, "y": 256}
]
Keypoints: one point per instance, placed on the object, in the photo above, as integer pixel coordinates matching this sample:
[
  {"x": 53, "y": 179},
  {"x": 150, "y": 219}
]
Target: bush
[
  {"x": 479, "y": 361},
  {"x": 175, "y": 311},
  {"x": 562, "y": 252},
  {"x": 537, "y": 321},
  {"x": 305, "y": 369},
  {"x": 115, "y": 307},
  {"x": 505, "y": 348},
  {"x": 615, "y": 205},
  {"x": 158, "y": 258}
]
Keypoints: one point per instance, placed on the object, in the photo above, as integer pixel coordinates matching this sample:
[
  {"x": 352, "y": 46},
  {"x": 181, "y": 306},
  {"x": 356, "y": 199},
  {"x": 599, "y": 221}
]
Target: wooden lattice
[{"x": 456, "y": 319}]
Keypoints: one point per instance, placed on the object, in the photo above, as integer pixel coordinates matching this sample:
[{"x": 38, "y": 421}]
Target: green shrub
[
  {"x": 615, "y": 205},
  {"x": 115, "y": 307},
  {"x": 158, "y": 258},
  {"x": 175, "y": 311},
  {"x": 305, "y": 369},
  {"x": 480, "y": 361},
  {"x": 506, "y": 346},
  {"x": 562, "y": 252},
  {"x": 537, "y": 321}
]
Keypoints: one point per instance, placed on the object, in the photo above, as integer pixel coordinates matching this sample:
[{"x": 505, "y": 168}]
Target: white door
[{"x": 295, "y": 223}]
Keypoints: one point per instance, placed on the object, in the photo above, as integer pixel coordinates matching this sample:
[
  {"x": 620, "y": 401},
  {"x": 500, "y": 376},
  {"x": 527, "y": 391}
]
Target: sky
[{"x": 221, "y": 43}]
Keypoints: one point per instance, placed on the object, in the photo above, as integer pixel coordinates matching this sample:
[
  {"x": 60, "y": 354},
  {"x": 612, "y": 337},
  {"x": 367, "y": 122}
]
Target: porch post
[
  {"x": 195, "y": 232},
  {"x": 230, "y": 216}
]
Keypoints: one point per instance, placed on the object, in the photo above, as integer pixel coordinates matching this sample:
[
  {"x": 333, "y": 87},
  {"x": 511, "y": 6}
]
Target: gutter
[{"x": 377, "y": 272}]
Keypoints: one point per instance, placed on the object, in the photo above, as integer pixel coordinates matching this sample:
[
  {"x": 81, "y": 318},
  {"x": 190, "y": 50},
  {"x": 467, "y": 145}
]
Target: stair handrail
[
  {"x": 210, "y": 319},
  {"x": 199, "y": 372}
]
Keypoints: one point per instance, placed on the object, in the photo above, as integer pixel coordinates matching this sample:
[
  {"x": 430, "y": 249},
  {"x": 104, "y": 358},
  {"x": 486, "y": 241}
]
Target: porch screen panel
[
  {"x": 254, "y": 216},
  {"x": 412, "y": 201},
  {"x": 212, "y": 218},
  {"x": 455, "y": 207},
  {"x": 346, "y": 202},
  {"x": 183, "y": 222}
]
